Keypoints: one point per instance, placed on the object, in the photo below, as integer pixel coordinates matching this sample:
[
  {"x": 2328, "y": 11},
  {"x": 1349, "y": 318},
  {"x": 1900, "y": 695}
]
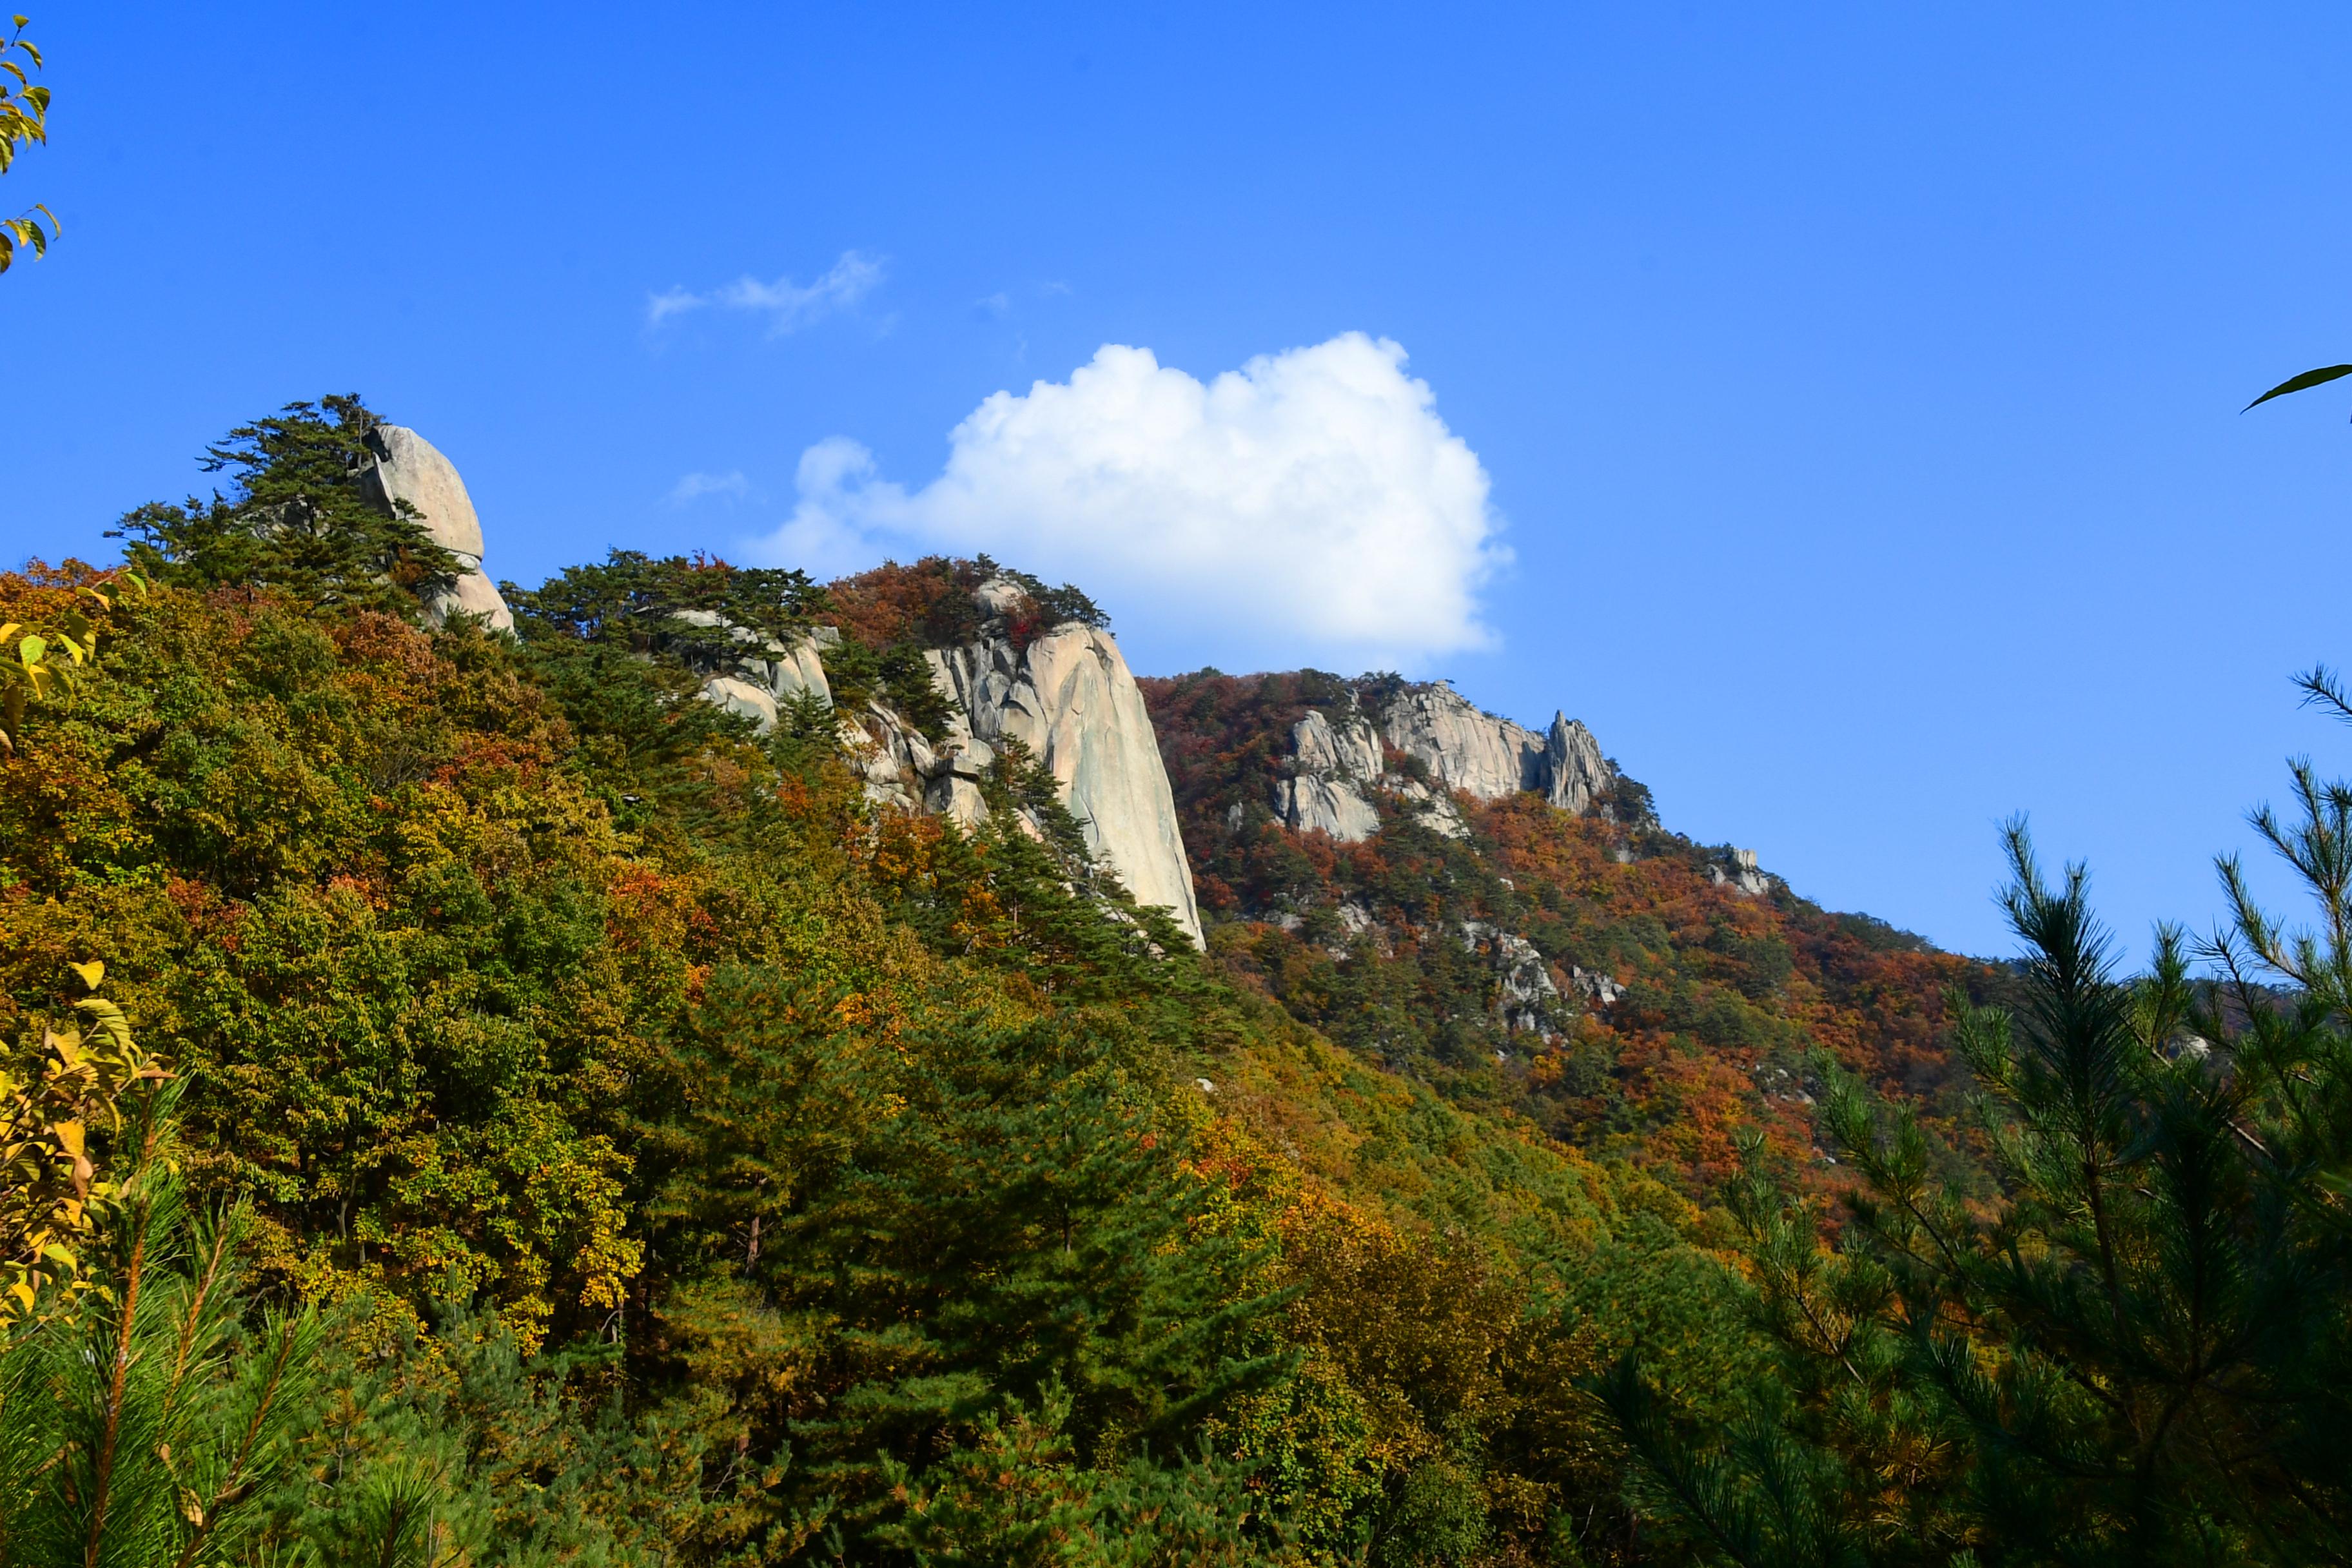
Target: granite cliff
[
  {"x": 1066, "y": 694},
  {"x": 408, "y": 467},
  {"x": 1413, "y": 747}
]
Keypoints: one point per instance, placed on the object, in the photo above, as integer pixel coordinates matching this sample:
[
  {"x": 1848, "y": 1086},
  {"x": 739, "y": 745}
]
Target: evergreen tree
[
  {"x": 2137, "y": 1352},
  {"x": 294, "y": 518},
  {"x": 963, "y": 1232},
  {"x": 140, "y": 1429}
]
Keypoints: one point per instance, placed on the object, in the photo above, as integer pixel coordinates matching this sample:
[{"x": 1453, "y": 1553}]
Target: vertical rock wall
[{"x": 1071, "y": 700}]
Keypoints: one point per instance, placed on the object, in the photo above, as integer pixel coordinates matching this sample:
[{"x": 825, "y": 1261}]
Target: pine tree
[
  {"x": 2137, "y": 1350},
  {"x": 294, "y": 518},
  {"x": 958, "y": 1225}
]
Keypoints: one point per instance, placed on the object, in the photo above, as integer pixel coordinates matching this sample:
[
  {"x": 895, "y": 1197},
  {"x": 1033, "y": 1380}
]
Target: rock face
[
  {"x": 1071, "y": 700},
  {"x": 1324, "y": 795},
  {"x": 1337, "y": 769},
  {"x": 1329, "y": 805},
  {"x": 1462, "y": 747},
  {"x": 1574, "y": 771},
  {"x": 1068, "y": 697},
  {"x": 408, "y": 467}
]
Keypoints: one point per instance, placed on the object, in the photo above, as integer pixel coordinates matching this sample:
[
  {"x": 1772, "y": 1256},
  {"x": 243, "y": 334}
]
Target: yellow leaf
[
  {"x": 91, "y": 973},
  {"x": 8, "y": 629},
  {"x": 22, "y": 1291}
]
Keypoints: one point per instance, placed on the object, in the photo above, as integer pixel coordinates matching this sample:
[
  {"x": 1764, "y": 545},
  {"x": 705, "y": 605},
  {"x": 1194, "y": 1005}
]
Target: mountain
[
  {"x": 1453, "y": 895},
  {"x": 746, "y": 1069},
  {"x": 1500, "y": 913}
]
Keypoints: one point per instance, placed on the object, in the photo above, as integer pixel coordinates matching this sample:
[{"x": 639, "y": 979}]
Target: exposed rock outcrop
[
  {"x": 766, "y": 675},
  {"x": 1575, "y": 773},
  {"x": 408, "y": 467},
  {"x": 1738, "y": 871},
  {"x": 1068, "y": 697},
  {"x": 1340, "y": 773},
  {"x": 1326, "y": 804},
  {"x": 1325, "y": 793},
  {"x": 1462, "y": 747},
  {"x": 1525, "y": 988},
  {"x": 1351, "y": 750},
  {"x": 1071, "y": 700}
]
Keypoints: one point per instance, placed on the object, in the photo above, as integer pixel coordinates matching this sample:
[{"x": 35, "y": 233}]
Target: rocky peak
[
  {"x": 1338, "y": 769},
  {"x": 408, "y": 467},
  {"x": 1463, "y": 747},
  {"x": 1066, "y": 694},
  {"x": 1574, "y": 771}
]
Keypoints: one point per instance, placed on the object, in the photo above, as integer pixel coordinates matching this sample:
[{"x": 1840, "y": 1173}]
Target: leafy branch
[{"x": 23, "y": 118}]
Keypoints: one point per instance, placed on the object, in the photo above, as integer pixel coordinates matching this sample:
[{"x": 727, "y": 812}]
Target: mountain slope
[{"x": 1530, "y": 939}]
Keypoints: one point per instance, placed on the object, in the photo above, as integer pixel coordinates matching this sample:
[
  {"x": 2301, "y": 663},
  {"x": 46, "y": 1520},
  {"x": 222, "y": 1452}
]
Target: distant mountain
[{"x": 1459, "y": 898}]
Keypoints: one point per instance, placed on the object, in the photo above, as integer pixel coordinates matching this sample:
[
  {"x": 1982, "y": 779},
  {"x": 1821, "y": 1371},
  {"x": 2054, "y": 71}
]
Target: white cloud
[
  {"x": 1309, "y": 506},
  {"x": 788, "y": 306},
  {"x": 693, "y": 486}
]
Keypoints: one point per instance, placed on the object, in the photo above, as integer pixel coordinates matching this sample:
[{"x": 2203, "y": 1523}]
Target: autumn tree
[{"x": 24, "y": 119}]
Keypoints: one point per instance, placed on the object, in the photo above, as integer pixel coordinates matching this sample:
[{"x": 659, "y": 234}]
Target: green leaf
[
  {"x": 30, "y": 650},
  {"x": 2303, "y": 382}
]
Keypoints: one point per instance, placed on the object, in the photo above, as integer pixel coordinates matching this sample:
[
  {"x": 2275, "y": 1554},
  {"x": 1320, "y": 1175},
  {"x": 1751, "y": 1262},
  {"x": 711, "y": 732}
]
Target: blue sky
[{"x": 1854, "y": 389}]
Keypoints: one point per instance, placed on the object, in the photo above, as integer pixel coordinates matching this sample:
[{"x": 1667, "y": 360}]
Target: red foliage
[{"x": 929, "y": 601}]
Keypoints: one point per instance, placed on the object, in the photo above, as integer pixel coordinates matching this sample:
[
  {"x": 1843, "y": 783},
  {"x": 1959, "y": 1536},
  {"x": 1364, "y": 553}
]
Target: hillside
[
  {"x": 1532, "y": 938},
  {"x": 685, "y": 1064},
  {"x": 578, "y": 1047}
]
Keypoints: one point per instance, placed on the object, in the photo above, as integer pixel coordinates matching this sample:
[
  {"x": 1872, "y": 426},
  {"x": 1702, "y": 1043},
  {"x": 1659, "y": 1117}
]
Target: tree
[
  {"x": 23, "y": 118},
  {"x": 2137, "y": 1350},
  {"x": 954, "y": 1246},
  {"x": 294, "y": 519},
  {"x": 41, "y": 660},
  {"x": 58, "y": 1100},
  {"x": 2303, "y": 382},
  {"x": 140, "y": 1429}
]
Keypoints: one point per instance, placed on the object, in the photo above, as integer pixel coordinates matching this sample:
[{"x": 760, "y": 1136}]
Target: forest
[{"x": 467, "y": 1102}]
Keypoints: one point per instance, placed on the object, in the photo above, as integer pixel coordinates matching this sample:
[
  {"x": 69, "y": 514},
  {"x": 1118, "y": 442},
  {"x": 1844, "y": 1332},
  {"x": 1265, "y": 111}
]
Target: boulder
[
  {"x": 743, "y": 697},
  {"x": 408, "y": 467},
  {"x": 781, "y": 671}
]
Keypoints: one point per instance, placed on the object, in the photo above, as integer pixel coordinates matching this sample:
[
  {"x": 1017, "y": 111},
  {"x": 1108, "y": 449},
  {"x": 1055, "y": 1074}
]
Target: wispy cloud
[
  {"x": 994, "y": 308},
  {"x": 788, "y": 306},
  {"x": 693, "y": 486}
]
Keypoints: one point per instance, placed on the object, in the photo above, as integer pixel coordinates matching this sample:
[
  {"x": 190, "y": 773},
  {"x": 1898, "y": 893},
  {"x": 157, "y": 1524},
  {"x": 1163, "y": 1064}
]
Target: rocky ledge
[{"x": 1340, "y": 768}]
